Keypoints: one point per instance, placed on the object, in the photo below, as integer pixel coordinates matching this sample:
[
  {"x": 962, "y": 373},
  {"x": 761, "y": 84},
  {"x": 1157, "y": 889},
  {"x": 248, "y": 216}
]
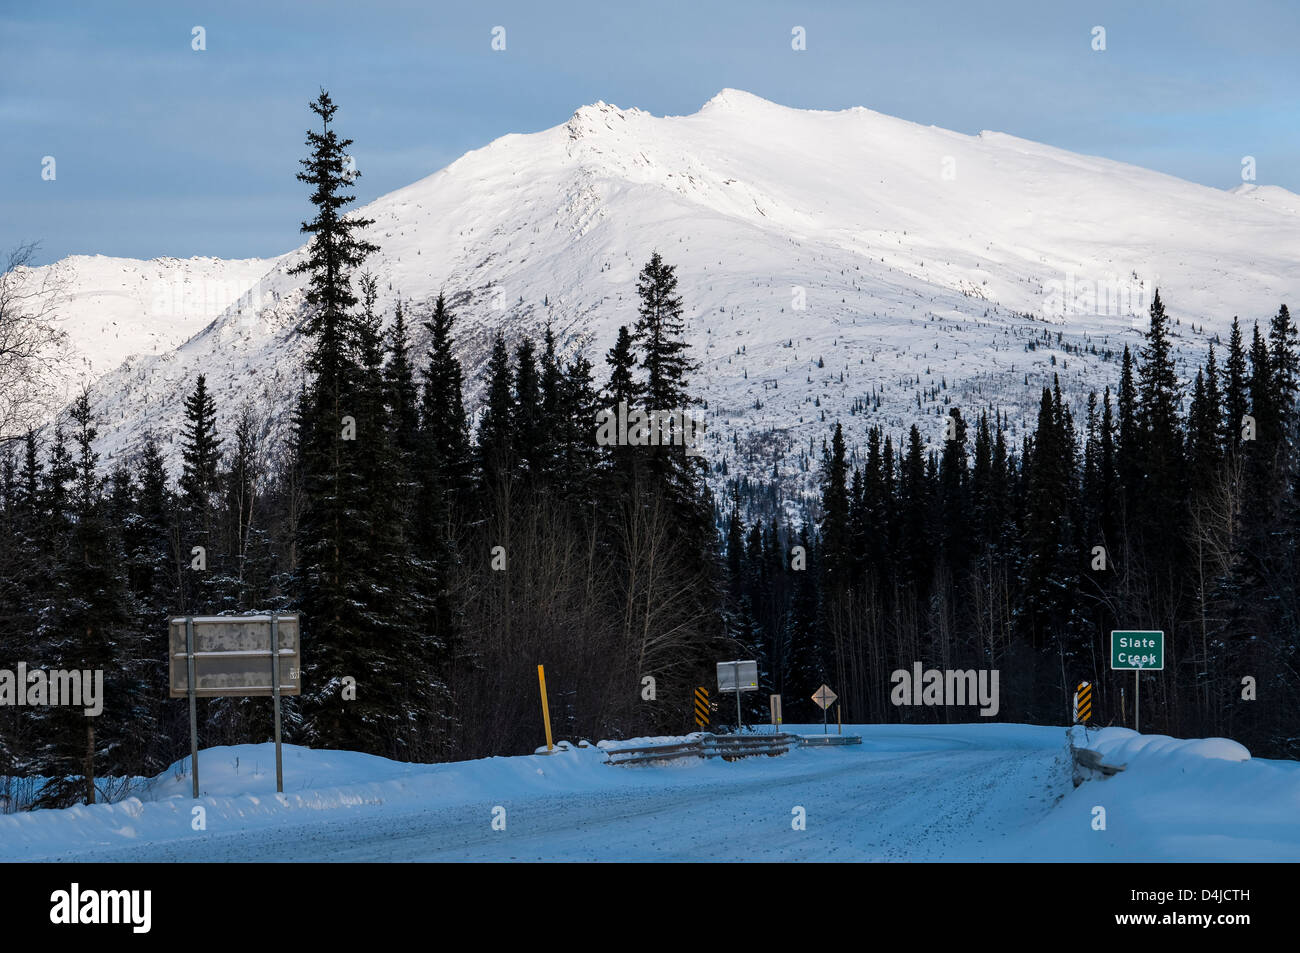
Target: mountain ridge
[{"x": 926, "y": 262}]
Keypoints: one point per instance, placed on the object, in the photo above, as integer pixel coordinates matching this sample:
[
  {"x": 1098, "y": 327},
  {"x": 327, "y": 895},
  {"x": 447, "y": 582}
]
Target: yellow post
[{"x": 546, "y": 710}]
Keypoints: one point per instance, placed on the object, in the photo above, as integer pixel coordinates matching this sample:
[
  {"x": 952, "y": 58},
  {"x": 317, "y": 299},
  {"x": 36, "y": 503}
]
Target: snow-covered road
[{"x": 961, "y": 792}]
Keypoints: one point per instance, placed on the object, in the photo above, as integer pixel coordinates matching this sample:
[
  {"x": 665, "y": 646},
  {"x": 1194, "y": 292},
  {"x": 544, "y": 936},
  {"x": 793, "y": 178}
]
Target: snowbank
[
  {"x": 237, "y": 788},
  {"x": 1125, "y": 746},
  {"x": 909, "y": 792}
]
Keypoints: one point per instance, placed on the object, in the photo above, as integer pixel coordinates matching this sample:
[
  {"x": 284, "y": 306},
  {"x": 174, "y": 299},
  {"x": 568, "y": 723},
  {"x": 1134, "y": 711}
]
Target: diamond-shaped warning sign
[{"x": 824, "y": 697}]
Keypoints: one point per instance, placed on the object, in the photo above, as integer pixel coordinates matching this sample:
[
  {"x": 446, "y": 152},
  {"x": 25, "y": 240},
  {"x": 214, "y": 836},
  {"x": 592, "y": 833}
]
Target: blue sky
[{"x": 162, "y": 150}]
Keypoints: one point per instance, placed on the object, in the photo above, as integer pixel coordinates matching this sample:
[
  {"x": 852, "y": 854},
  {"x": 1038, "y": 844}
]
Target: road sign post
[
  {"x": 1137, "y": 650},
  {"x": 740, "y": 719},
  {"x": 774, "y": 701},
  {"x": 194, "y": 719},
  {"x": 825, "y": 698},
  {"x": 275, "y": 691}
]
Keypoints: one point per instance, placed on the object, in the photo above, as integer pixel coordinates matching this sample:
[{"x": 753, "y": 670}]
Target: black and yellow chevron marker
[
  {"x": 1083, "y": 703},
  {"x": 702, "y": 707}
]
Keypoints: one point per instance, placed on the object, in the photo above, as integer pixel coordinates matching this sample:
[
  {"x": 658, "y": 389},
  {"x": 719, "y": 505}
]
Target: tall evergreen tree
[
  {"x": 1161, "y": 453},
  {"x": 201, "y": 456},
  {"x": 496, "y": 427},
  {"x": 1236, "y": 400},
  {"x": 1284, "y": 347},
  {"x": 621, "y": 358},
  {"x": 333, "y": 580},
  {"x": 660, "y": 330},
  {"x": 445, "y": 461}
]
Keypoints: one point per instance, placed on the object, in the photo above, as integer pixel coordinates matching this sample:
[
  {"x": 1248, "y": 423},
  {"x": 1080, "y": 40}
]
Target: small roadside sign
[
  {"x": 824, "y": 697},
  {"x": 701, "y": 707},
  {"x": 738, "y": 676},
  {"x": 1137, "y": 649},
  {"x": 1083, "y": 703}
]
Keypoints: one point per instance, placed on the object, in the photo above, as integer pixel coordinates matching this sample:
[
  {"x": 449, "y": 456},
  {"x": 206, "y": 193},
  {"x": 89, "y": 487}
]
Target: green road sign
[{"x": 1137, "y": 650}]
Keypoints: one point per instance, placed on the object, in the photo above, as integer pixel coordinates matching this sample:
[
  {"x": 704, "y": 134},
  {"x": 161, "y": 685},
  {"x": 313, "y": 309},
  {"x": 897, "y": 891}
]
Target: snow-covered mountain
[
  {"x": 830, "y": 262},
  {"x": 114, "y": 308}
]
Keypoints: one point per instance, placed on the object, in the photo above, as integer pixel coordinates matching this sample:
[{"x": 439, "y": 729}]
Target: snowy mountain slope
[
  {"x": 829, "y": 261},
  {"x": 908, "y": 792},
  {"x": 113, "y": 308}
]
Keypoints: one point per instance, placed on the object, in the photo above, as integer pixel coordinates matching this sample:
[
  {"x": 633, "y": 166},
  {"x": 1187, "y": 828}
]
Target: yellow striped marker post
[
  {"x": 1083, "y": 703},
  {"x": 702, "y": 707}
]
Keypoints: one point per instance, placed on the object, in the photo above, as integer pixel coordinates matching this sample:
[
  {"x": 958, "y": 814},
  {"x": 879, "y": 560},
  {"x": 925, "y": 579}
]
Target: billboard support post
[
  {"x": 740, "y": 721},
  {"x": 275, "y": 693},
  {"x": 194, "y": 718}
]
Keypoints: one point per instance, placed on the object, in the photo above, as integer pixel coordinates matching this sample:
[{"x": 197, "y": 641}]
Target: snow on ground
[{"x": 950, "y": 792}]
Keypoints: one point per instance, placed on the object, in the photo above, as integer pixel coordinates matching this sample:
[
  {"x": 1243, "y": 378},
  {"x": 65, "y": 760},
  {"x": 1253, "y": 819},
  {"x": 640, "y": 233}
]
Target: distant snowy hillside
[
  {"x": 830, "y": 262},
  {"x": 114, "y": 308}
]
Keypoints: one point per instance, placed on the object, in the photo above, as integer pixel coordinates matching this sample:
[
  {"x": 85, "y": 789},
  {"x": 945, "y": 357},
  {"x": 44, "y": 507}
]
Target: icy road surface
[{"x": 958, "y": 792}]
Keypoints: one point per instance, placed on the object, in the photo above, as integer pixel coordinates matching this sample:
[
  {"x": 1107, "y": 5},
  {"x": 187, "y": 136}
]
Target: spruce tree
[
  {"x": 622, "y": 359},
  {"x": 1161, "y": 456},
  {"x": 837, "y": 557},
  {"x": 331, "y": 582},
  {"x": 1262, "y": 394},
  {"x": 1236, "y": 400},
  {"x": 201, "y": 458},
  {"x": 1129, "y": 438},
  {"x": 495, "y": 446},
  {"x": 1284, "y": 347},
  {"x": 528, "y": 424},
  {"x": 402, "y": 397},
  {"x": 659, "y": 333},
  {"x": 445, "y": 461}
]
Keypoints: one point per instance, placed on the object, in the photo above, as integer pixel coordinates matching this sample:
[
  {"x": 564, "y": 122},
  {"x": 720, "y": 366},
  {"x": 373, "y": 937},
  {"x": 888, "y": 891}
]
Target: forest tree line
[{"x": 1165, "y": 507}]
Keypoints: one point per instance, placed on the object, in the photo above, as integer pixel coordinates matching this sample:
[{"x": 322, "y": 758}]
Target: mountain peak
[
  {"x": 735, "y": 100},
  {"x": 590, "y": 119}
]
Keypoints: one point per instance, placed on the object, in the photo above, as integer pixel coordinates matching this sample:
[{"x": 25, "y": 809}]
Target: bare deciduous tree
[{"x": 32, "y": 346}]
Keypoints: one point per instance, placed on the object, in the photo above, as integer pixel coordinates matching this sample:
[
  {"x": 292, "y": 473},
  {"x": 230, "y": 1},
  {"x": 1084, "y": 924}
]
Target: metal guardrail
[
  {"x": 1088, "y": 764},
  {"x": 829, "y": 741},
  {"x": 727, "y": 747}
]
